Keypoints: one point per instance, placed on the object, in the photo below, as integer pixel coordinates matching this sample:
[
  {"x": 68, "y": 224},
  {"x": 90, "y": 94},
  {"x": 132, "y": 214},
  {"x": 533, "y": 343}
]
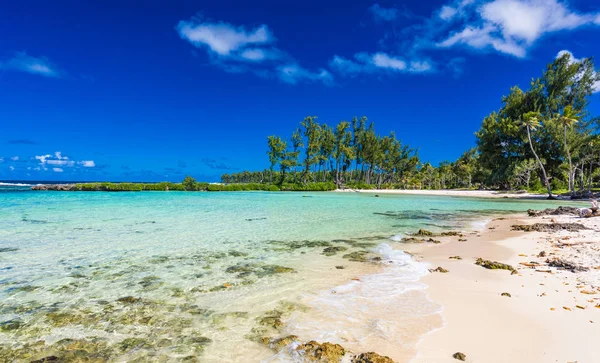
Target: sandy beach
[
  {"x": 451, "y": 193},
  {"x": 551, "y": 315}
]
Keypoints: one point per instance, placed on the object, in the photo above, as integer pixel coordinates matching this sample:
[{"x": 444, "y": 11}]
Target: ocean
[{"x": 218, "y": 277}]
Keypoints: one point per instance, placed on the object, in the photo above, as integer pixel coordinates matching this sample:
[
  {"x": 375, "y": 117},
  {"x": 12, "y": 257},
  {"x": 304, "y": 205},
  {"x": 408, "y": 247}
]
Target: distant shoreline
[{"x": 453, "y": 193}]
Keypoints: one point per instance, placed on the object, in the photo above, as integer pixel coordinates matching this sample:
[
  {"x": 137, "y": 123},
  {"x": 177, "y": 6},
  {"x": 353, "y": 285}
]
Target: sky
[{"x": 153, "y": 90}]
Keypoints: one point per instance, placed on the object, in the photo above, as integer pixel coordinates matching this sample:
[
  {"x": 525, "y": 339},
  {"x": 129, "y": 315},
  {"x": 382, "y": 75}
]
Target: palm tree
[
  {"x": 569, "y": 118},
  {"x": 530, "y": 121}
]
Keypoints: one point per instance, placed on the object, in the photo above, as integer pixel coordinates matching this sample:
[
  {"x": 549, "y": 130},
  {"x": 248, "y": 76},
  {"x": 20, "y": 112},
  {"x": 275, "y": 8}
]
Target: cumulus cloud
[
  {"x": 378, "y": 62},
  {"x": 25, "y": 63},
  {"x": 59, "y": 160},
  {"x": 223, "y": 38},
  {"x": 12, "y": 168},
  {"x": 383, "y": 14},
  {"x": 57, "y": 170},
  {"x": 511, "y": 26},
  {"x": 1, "y": 159},
  {"x": 14, "y": 158},
  {"x": 240, "y": 49}
]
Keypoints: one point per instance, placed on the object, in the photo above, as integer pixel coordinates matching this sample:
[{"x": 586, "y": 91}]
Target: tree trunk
[
  {"x": 571, "y": 173},
  {"x": 541, "y": 166}
]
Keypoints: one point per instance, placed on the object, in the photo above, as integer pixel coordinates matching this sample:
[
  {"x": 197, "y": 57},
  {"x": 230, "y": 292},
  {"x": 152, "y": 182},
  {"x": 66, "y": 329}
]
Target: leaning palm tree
[
  {"x": 531, "y": 121},
  {"x": 569, "y": 118}
]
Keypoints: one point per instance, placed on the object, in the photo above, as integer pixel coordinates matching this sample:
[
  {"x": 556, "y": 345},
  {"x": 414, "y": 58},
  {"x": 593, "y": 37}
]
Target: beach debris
[
  {"x": 566, "y": 265},
  {"x": 558, "y": 211},
  {"x": 567, "y": 308},
  {"x": 439, "y": 269},
  {"x": 495, "y": 265},
  {"x": 552, "y": 309},
  {"x": 588, "y": 292},
  {"x": 371, "y": 357},
  {"x": 462, "y": 240},
  {"x": 580, "y": 307},
  {"x": 529, "y": 264},
  {"x": 546, "y": 271},
  {"x": 522, "y": 255},
  {"x": 506, "y": 294},
  {"x": 321, "y": 352},
  {"x": 455, "y": 258},
  {"x": 542, "y": 254},
  {"x": 340, "y": 267},
  {"x": 546, "y": 227},
  {"x": 459, "y": 356}
]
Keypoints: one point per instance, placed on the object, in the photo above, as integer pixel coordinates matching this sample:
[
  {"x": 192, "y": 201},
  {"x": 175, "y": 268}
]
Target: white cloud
[
  {"x": 12, "y": 168},
  {"x": 57, "y": 159},
  {"x": 14, "y": 158},
  {"x": 293, "y": 73},
  {"x": 223, "y": 38},
  {"x": 381, "y": 13},
  {"x": 1, "y": 159},
  {"x": 258, "y": 54},
  {"x": 57, "y": 170},
  {"x": 512, "y": 26},
  {"x": 87, "y": 163},
  {"x": 596, "y": 85},
  {"x": 378, "y": 62},
  {"x": 25, "y": 63}
]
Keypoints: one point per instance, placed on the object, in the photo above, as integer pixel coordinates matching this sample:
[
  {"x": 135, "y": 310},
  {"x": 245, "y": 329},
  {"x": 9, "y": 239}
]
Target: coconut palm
[
  {"x": 569, "y": 118},
  {"x": 531, "y": 121}
]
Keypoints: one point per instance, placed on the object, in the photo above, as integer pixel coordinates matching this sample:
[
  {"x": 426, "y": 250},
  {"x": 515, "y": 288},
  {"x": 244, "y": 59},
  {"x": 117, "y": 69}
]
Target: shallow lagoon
[{"x": 214, "y": 276}]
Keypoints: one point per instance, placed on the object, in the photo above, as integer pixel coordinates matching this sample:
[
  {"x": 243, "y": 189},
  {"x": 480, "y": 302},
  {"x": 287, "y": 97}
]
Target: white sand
[
  {"x": 453, "y": 192},
  {"x": 530, "y": 326}
]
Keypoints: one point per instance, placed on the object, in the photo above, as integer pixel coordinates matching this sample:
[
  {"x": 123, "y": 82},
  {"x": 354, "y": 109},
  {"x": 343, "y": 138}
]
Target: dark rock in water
[
  {"x": 256, "y": 219},
  {"x": 376, "y": 195},
  {"x": 129, "y": 300},
  {"x": 459, "y": 356},
  {"x": 330, "y": 251},
  {"x": 554, "y": 212},
  {"x": 8, "y": 249},
  {"x": 133, "y": 343},
  {"x": 495, "y": 265},
  {"x": 50, "y": 358},
  {"x": 371, "y": 357},
  {"x": 545, "y": 227},
  {"x": 506, "y": 294},
  {"x": 567, "y": 265},
  {"x": 11, "y": 325},
  {"x": 317, "y": 352},
  {"x": 281, "y": 343},
  {"x": 424, "y": 232},
  {"x": 357, "y": 256}
]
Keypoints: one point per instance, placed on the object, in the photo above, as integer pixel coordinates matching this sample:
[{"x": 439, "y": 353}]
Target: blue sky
[{"x": 154, "y": 90}]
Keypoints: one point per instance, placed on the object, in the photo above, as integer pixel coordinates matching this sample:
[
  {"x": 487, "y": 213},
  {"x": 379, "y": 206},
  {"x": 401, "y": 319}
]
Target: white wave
[
  {"x": 479, "y": 225},
  {"x": 14, "y": 184},
  {"x": 397, "y": 237}
]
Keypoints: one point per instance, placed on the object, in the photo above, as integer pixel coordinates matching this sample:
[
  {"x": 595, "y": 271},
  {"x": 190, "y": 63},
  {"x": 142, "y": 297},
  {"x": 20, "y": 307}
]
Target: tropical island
[{"x": 542, "y": 140}]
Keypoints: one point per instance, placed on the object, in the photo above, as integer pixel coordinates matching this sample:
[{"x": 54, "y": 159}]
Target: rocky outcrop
[
  {"x": 495, "y": 265},
  {"x": 55, "y": 187},
  {"x": 554, "y": 212}
]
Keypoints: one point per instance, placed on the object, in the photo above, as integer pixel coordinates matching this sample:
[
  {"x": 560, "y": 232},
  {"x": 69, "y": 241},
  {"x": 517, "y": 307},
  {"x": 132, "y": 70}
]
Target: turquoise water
[{"x": 171, "y": 276}]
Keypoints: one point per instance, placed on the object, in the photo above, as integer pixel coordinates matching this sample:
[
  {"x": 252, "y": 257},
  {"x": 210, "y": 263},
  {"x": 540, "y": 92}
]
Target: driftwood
[{"x": 567, "y": 265}]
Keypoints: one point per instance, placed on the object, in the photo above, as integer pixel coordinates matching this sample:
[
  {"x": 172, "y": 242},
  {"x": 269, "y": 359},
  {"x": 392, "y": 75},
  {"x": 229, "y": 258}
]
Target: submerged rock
[
  {"x": 371, "y": 357},
  {"x": 9, "y": 325},
  {"x": 129, "y": 300},
  {"x": 495, "y": 265},
  {"x": 8, "y": 249},
  {"x": 278, "y": 344},
  {"x": 50, "y": 358},
  {"x": 330, "y": 251},
  {"x": 321, "y": 352},
  {"x": 545, "y": 227}
]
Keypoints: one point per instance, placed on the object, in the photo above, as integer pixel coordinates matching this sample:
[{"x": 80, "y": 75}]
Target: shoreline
[
  {"x": 453, "y": 193},
  {"x": 531, "y": 325}
]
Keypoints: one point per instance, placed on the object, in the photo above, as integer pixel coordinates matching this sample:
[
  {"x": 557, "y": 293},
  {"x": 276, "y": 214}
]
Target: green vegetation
[{"x": 542, "y": 139}]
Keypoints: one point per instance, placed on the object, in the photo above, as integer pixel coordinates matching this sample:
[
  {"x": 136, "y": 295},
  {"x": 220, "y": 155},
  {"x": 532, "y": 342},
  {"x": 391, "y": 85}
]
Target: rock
[
  {"x": 451, "y": 234},
  {"x": 558, "y": 211},
  {"x": 455, "y": 258},
  {"x": 424, "y": 232},
  {"x": 371, "y": 357},
  {"x": 325, "y": 352},
  {"x": 495, "y": 265},
  {"x": 281, "y": 343},
  {"x": 542, "y": 254},
  {"x": 459, "y": 356},
  {"x": 129, "y": 300},
  {"x": 505, "y": 294},
  {"x": 554, "y": 227},
  {"x": 340, "y": 267},
  {"x": 564, "y": 264},
  {"x": 50, "y": 358},
  {"x": 330, "y": 251},
  {"x": 439, "y": 269}
]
